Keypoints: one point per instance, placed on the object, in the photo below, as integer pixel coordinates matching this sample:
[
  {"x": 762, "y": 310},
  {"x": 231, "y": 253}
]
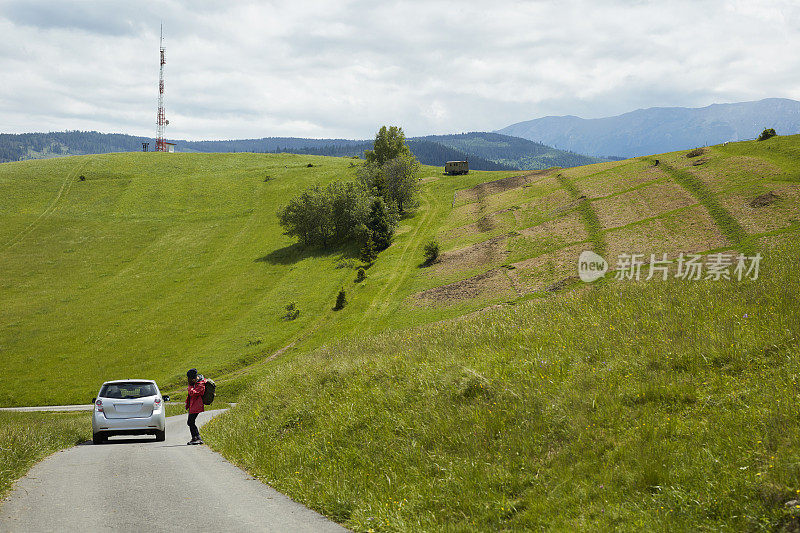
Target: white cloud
[{"x": 341, "y": 69}]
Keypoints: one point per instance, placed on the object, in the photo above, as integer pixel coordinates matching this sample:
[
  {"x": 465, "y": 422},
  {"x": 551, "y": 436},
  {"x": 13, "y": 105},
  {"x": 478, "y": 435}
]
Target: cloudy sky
[{"x": 343, "y": 68}]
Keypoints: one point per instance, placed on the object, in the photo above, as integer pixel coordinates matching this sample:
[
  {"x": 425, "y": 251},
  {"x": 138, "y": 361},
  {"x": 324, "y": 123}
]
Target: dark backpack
[{"x": 210, "y": 392}]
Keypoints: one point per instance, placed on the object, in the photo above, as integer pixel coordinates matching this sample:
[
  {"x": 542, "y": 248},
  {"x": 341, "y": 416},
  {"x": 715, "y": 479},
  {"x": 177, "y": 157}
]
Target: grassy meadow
[
  {"x": 155, "y": 263},
  {"x": 649, "y": 406},
  {"x": 491, "y": 390},
  {"x": 660, "y": 405}
]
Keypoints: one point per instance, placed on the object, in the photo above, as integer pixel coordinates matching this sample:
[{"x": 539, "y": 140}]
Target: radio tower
[{"x": 161, "y": 142}]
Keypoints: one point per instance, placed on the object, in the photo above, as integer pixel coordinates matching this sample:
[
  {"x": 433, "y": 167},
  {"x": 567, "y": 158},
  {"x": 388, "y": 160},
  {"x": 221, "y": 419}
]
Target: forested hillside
[
  {"x": 17, "y": 147},
  {"x": 485, "y": 151},
  {"x": 515, "y": 152}
]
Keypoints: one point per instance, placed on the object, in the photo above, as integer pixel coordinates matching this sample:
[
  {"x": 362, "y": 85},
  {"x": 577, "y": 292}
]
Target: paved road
[{"x": 137, "y": 484}]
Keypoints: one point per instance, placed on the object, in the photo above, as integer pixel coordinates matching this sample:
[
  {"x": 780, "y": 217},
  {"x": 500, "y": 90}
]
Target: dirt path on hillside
[
  {"x": 411, "y": 257},
  {"x": 63, "y": 191}
]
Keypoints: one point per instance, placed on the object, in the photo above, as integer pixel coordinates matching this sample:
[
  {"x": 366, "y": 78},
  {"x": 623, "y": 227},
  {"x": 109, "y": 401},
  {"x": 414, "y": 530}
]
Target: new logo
[{"x": 591, "y": 266}]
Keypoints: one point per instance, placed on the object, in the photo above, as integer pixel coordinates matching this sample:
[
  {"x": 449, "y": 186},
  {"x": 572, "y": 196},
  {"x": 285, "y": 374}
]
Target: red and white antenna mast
[{"x": 161, "y": 142}]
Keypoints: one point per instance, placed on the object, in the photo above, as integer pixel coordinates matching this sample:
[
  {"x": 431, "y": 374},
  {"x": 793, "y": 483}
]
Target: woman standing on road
[{"x": 194, "y": 403}]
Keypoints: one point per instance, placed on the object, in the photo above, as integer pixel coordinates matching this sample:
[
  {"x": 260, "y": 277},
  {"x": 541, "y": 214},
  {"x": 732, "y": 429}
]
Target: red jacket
[{"x": 194, "y": 399}]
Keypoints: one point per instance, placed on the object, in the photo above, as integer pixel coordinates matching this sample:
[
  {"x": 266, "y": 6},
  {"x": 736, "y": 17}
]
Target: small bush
[
  {"x": 309, "y": 165},
  {"x": 341, "y": 301},
  {"x": 360, "y": 275},
  {"x": 694, "y": 153},
  {"x": 292, "y": 312},
  {"x": 766, "y": 134},
  {"x": 82, "y": 177},
  {"x": 431, "y": 252}
]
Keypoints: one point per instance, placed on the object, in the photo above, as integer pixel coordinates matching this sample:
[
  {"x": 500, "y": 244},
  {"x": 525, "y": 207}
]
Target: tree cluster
[
  {"x": 340, "y": 213},
  {"x": 325, "y": 216},
  {"x": 365, "y": 211}
]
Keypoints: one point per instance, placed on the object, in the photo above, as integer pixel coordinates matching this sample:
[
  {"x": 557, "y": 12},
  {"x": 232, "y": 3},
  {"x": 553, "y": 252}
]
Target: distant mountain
[
  {"x": 662, "y": 129},
  {"x": 485, "y": 151}
]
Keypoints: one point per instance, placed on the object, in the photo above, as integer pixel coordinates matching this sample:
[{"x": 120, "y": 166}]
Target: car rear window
[{"x": 127, "y": 390}]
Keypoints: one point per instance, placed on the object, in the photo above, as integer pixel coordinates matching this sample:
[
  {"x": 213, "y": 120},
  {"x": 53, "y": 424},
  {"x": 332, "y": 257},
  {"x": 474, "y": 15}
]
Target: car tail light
[{"x": 99, "y": 405}]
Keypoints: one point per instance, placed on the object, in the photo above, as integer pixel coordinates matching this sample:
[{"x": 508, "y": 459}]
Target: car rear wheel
[
  {"x": 98, "y": 438},
  {"x": 161, "y": 436}
]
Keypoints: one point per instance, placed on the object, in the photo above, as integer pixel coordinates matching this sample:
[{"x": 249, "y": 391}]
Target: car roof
[{"x": 129, "y": 381}]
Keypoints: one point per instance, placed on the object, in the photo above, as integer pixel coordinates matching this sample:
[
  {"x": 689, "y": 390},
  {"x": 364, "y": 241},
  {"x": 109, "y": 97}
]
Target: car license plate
[{"x": 128, "y": 407}]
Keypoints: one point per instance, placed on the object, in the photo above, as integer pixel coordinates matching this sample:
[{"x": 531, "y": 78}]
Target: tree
[
  {"x": 389, "y": 144},
  {"x": 381, "y": 223},
  {"x": 370, "y": 176},
  {"x": 309, "y": 217},
  {"x": 362, "y": 211},
  {"x": 349, "y": 209},
  {"x": 360, "y": 275},
  {"x": 400, "y": 181},
  {"x": 391, "y": 169},
  {"x": 325, "y": 216},
  {"x": 368, "y": 253},
  {"x": 431, "y": 252},
  {"x": 766, "y": 134},
  {"x": 341, "y": 301}
]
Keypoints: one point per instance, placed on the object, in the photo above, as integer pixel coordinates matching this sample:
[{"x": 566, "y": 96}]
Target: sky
[{"x": 341, "y": 69}]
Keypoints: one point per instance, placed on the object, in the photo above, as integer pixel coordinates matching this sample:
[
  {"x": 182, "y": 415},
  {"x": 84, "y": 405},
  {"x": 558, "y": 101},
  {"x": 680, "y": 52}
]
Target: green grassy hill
[
  {"x": 649, "y": 405},
  {"x": 155, "y": 262},
  {"x": 634, "y": 406}
]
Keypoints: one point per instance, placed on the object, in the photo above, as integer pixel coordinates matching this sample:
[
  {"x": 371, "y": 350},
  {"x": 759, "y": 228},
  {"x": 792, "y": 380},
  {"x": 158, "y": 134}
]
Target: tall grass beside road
[
  {"x": 26, "y": 438},
  {"x": 650, "y": 406}
]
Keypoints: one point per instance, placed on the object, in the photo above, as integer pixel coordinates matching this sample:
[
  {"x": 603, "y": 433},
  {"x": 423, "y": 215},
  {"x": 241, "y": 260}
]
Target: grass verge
[{"x": 26, "y": 438}]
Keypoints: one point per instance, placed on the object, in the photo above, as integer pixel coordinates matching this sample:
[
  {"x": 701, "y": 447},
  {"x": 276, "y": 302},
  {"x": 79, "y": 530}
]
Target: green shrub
[
  {"x": 360, "y": 275},
  {"x": 766, "y": 134},
  {"x": 341, "y": 301},
  {"x": 694, "y": 153},
  {"x": 431, "y": 252},
  {"x": 292, "y": 312}
]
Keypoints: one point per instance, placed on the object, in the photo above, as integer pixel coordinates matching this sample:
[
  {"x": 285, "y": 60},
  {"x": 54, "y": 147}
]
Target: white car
[{"x": 128, "y": 407}]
